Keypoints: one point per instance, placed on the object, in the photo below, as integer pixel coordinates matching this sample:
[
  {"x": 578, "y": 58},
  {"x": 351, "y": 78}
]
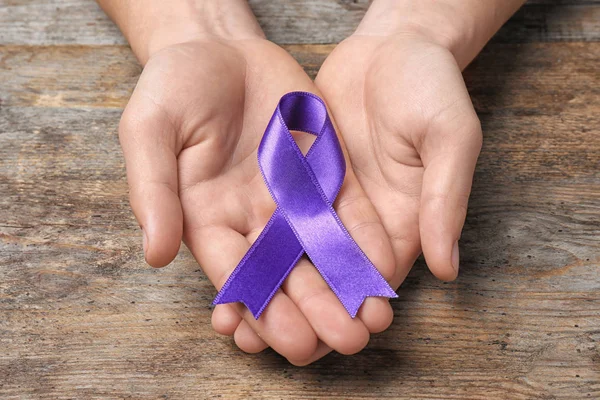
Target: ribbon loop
[{"x": 304, "y": 189}]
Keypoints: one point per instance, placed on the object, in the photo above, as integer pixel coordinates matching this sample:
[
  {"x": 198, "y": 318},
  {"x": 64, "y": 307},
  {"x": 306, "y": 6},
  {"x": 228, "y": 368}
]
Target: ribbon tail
[
  {"x": 353, "y": 291},
  {"x": 261, "y": 272}
]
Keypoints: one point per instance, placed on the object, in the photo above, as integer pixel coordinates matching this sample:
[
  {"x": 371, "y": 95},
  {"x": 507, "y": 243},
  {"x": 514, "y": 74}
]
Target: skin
[{"x": 191, "y": 129}]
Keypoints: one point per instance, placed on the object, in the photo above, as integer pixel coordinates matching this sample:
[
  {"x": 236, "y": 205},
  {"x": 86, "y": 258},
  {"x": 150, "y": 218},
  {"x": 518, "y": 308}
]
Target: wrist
[
  {"x": 461, "y": 26},
  {"x": 151, "y": 25}
]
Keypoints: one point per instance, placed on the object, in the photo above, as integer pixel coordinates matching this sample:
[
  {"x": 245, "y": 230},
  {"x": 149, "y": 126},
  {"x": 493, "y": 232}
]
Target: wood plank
[
  {"x": 89, "y": 76},
  {"x": 542, "y": 78},
  {"x": 103, "y": 76},
  {"x": 82, "y": 316},
  {"x": 284, "y": 21},
  {"x": 67, "y": 76},
  {"x": 551, "y": 22}
]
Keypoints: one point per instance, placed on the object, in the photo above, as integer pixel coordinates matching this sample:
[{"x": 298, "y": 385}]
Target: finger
[
  {"x": 407, "y": 248},
  {"x": 357, "y": 212},
  {"x": 322, "y": 351},
  {"x": 361, "y": 220},
  {"x": 225, "y": 319},
  {"x": 247, "y": 340},
  {"x": 147, "y": 139},
  {"x": 376, "y": 313},
  {"x": 327, "y": 316},
  {"x": 282, "y": 326},
  {"x": 314, "y": 298},
  {"x": 449, "y": 156},
  {"x": 401, "y": 222}
]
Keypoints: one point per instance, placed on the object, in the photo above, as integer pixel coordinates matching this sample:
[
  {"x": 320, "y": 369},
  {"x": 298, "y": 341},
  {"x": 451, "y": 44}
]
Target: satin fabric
[{"x": 304, "y": 188}]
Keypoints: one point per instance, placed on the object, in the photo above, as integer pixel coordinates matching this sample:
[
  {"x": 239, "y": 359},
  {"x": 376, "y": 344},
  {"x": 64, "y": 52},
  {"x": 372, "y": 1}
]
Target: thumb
[
  {"x": 449, "y": 155},
  {"x": 148, "y": 141}
]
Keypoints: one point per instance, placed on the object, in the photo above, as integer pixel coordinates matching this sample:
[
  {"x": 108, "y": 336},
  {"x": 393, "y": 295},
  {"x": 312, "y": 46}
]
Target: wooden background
[{"x": 82, "y": 316}]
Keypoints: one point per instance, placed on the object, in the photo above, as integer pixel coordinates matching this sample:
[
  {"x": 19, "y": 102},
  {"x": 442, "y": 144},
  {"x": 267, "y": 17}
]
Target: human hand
[
  {"x": 190, "y": 134},
  {"x": 412, "y": 135}
]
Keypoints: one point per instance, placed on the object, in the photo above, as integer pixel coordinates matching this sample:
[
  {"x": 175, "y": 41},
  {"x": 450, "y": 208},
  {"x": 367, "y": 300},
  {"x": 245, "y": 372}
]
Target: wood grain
[
  {"x": 103, "y": 76},
  {"x": 83, "y": 317},
  {"x": 41, "y": 22}
]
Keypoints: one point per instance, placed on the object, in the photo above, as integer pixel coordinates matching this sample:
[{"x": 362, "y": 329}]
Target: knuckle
[
  {"x": 440, "y": 200},
  {"x": 460, "y": 128},
  {"x": 128, "y": 125},
  {"x": 144, "y": 116},
  {"x": 133, "y": 121},
  {"x": 474, "y": 132},
  {"x": 307, "y": 300}
]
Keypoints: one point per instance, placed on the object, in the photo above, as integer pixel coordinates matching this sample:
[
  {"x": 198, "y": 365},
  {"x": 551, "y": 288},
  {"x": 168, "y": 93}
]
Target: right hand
[{"x": 190, "y": 134}]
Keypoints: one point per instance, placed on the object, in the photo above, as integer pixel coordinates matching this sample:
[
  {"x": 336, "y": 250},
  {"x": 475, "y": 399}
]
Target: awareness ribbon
[{"x": 304, "y": 188}]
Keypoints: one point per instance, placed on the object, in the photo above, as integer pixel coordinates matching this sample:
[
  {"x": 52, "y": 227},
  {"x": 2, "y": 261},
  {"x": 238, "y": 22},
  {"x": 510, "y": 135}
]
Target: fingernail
[
  {"x": 455, "y": 256},
  {"x": 145, "y": 241}
]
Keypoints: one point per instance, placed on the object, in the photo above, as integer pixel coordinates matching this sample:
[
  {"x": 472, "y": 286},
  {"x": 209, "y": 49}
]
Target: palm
[
  {"x": 210, "y": 101},
  {"x": 394, "y": 100}
]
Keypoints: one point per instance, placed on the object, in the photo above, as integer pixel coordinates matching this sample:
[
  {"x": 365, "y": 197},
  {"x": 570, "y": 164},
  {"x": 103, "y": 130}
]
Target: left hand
[{"x": 413, "y": 139}]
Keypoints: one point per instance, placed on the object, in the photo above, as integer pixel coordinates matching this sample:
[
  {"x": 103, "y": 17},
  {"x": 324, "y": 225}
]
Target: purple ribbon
[{"x": 304, "y": 189}]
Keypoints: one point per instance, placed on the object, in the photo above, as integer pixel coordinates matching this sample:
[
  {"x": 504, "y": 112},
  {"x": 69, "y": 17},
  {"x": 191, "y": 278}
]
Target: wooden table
[{"x": 82, "y": 316}]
